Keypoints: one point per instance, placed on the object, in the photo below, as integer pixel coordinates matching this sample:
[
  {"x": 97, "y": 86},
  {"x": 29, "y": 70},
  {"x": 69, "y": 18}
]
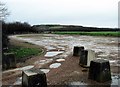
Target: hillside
[{"x": 52, "y": 28}]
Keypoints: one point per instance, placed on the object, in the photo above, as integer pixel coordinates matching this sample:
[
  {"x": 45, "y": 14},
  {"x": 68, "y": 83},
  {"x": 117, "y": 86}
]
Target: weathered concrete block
[
  {"x": 9, "y": 60},
  {"x": 77, "y": 50},
  {"x": 33, "y": 78},
  {"x": 85, "y": 57},
  {"x": 100, "y": 70}
]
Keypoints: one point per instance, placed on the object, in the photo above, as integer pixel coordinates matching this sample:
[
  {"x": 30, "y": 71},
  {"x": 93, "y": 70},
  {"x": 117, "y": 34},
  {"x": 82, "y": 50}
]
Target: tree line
[
  {"x": 17, "y": 28},
  {"x": 60, "y": 28}
]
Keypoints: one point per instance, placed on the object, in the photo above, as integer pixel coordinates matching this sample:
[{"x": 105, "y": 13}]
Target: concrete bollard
[
  {"x": 77, "y": 50},
  {"x": 86, "y": 57},
  {"x": 9, "y": 60},
  {"x": 33, "y": 78},
  {"x": 99, "y": 70}
]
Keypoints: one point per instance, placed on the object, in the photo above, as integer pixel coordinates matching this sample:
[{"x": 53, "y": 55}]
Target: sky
[{"x": 95, "y": 13}]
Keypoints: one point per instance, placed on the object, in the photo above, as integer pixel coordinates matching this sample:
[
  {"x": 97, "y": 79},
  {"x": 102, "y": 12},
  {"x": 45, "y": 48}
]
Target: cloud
[{"x": 35, "y": 11}]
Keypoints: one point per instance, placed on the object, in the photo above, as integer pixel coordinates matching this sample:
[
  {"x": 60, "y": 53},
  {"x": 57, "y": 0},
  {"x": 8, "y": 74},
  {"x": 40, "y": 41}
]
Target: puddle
[
  {"x": 18, "y": 81},
  {"x": 77, "y": 84},
  {"x": 45, "y": 70},
  {"x": 50, "y": 48},
  {"x": 26, "y": 67},
  {"x": 53, "y": 53},
  {"x": 60, "y": 60},
  {"x": 112, "y": 61},
  {"x": 41, "y": 62},
  {"x": 99, "y": 58},
  {"x": 103, "y": 55},
  {"x": 97, "y": 50},
  {"x": 115, "y": 82},
  {"x": 61, "y": 48},
  {"x": 55, "y": 65},
  {"x": 64, "y": 55},
  {"x": 22, "y": 68}
]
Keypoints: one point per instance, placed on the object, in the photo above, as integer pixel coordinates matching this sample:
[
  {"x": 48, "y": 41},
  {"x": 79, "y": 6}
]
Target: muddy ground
[{"x": 70, "y": 72}]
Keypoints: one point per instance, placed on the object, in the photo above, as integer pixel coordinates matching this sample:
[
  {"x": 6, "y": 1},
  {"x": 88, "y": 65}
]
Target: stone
[
  {"x": 100, "y": 70},
  {"x": 9, "y": 60},
  {"x": 86, "y": 57},
  {"x": 77, "y": 50},
  {"x": 34, "y": 78}
]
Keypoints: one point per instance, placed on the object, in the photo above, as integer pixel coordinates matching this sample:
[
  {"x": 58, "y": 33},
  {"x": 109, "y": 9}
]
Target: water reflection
[
  {"x": 55, "y": 65},
  {"x": 53, "y": 53}
]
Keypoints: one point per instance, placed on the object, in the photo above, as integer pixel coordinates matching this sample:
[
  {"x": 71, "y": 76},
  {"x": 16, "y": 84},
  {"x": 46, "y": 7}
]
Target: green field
[
  {"x": 21, "y": 52},
  {"x": 115, "y": 34}
]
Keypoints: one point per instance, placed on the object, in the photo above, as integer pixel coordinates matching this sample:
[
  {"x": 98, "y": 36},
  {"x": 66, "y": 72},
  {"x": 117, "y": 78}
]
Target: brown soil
[{"x": 68, "y": 71}]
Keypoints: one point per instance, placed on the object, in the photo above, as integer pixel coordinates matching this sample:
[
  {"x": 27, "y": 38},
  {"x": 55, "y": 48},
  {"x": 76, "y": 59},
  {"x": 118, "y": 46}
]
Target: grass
[
  {"x": 115, "y": 34},
  {"x": 21, "y": 52}
]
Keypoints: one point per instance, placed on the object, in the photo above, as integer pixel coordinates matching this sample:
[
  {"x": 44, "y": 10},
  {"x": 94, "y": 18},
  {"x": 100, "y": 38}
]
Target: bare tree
[
  {"x": 3, "y": 11},
  {"x": 3, "y": 14}
]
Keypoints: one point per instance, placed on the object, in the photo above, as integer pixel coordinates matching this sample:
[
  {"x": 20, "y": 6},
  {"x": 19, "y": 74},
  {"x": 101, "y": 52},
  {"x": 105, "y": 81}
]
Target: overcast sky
[{"x": 98, "y": 13}]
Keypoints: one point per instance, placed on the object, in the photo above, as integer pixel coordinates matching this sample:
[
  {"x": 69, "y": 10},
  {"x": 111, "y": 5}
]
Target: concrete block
[
  {"x": 9, "y": 60},
  {"x": 100, "y": 70},
  {"x": 77, "y": 50},
  {"x": 33, "y": 78},
  {"x": 85, "y": 57}
]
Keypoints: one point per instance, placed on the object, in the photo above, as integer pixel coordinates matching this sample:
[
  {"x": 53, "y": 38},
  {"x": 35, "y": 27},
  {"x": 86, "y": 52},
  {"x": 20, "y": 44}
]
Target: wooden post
[
  {"x": 77, "y": 50},
  {"x": 100, "y": 70},
  {"x": 33, "y": 78}
]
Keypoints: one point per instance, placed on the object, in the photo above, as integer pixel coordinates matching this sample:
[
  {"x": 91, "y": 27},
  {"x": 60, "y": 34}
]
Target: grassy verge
[
  {"x": 115, "y": 34},
  {"x": 21, "y": 52}
]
